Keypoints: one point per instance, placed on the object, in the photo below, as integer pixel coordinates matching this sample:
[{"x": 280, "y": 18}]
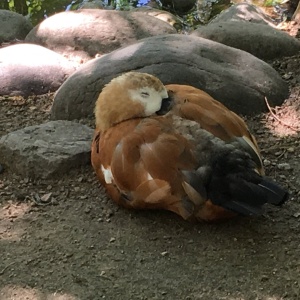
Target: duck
[{"x": 174, "y": 147}]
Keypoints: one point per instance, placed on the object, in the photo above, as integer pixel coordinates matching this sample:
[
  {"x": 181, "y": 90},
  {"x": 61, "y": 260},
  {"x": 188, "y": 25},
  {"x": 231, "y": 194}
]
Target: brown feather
[{"x": 144, "y": 156}]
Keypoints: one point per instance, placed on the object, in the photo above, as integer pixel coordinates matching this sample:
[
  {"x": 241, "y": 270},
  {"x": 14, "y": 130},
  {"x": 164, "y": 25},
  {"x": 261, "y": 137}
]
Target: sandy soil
[{"x": 76, "y": 244}]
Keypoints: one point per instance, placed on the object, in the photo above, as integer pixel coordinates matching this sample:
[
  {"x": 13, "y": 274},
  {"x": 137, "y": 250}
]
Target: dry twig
[
  {"x": 4, "y": 269},
  {"x": 276, "y": 118}
]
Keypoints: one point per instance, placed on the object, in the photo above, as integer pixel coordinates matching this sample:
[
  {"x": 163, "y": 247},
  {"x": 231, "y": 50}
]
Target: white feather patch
[
  {"x": 108, "y": 177},
  {"x": 149, "y": 97},
  {"x": 149, "y": 177}
]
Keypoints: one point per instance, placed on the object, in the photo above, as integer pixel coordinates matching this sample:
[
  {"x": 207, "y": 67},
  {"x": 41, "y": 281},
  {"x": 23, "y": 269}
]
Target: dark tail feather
[
  {"x": 236, "y": 186},
  {"x": 230, "y": 181},
  {"x": 246, "y": 197},
  {"x": 276, "y": 194}
]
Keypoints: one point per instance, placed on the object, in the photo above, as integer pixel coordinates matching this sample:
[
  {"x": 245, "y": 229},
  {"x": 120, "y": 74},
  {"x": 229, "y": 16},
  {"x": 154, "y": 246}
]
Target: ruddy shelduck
[{"x": 174, "y": 147}]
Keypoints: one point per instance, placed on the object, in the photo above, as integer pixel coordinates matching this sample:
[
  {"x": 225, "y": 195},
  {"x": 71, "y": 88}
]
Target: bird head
[{"x": 131, "y": 95}]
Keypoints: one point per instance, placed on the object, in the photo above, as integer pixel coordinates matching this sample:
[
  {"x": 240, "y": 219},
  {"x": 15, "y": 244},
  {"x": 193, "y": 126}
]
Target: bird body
[{"x": 176, "y": 148}]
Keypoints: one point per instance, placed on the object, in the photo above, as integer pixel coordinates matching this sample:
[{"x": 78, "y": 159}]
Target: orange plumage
[{"x": 178, "y": 149}]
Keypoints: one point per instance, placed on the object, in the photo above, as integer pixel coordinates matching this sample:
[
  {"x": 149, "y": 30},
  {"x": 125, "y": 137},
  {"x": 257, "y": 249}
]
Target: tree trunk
[
  {"x": 296, "y": 15},
  {"x": 21, "y": 7},
  {"x": 4, "y": 5}
]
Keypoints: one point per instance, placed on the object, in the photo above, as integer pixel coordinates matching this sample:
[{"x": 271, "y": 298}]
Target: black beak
[{"x": 166, "y": 106}]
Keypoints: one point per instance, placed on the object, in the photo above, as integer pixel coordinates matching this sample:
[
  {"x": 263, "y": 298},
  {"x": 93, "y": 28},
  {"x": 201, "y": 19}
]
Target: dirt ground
[{"x": 76, "y": 244}]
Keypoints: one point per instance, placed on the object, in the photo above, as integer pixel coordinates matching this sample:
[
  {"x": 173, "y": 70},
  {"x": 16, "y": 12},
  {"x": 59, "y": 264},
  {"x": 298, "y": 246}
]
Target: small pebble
[
  {"x": 164, "y": 253},
  {"x": 284, "y": 166},
  {"x": 264, "y": 278},
  {"x": 296, "y": 215},
  {"x": 54, "y": 202},
  {"x": 287, "y": 75}
]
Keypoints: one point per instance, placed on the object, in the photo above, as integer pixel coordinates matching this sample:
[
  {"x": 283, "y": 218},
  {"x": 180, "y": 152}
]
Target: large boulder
[
  {"x": 264, "y": 42},
  {"x": 234, "y": 77},
  {"x": 27, "y": 69},
  {"x": 83, "y": 34},
  {"x": 163, "y": 15},
  {"x": 46, "y": 150},
  {"x": 243, "y": 12},
  {"x": 13, "y": 26}
]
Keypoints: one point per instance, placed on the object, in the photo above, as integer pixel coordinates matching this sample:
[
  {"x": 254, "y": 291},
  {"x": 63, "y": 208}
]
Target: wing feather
[
  {"x": 213, "y": 116},
  {"x": 145, "y": 157}
]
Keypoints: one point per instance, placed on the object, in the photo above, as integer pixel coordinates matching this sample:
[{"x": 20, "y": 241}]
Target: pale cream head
[{"x": 128, "y": 96}]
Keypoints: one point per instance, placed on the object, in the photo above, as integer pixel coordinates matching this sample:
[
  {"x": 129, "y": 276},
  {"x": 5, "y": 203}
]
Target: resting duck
[{"x": 174, "y": 147}]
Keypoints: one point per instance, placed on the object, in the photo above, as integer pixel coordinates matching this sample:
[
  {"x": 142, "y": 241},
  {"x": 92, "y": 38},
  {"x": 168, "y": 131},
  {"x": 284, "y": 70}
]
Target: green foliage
[
  {"x": 123, "y": 4},
  {"x": 35, "y": 9},
  {"x": 4, "y": 5},
  {"x": 25, "y": 7},
  {"x": 270, "y": 3},
  {"x": 34, "y": 6},
  {"x": 192, "y": 19}
]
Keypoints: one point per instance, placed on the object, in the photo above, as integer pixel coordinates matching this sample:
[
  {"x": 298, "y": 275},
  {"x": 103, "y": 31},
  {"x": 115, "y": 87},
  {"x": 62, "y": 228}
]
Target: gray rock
[
  {"x": 284, "y": 166},
  {"x": 97, "y": 4},
  {"x": 234, "y": 77},
  {"x": 175, "y": 21},
  {"x": 31, "y": 69},
  {"x": 83, "y": 34},
  {"x": 260, "y": 40},
  {"x": 13, "y": 26},
  {"x": 46, "y": 150},
  {"x": 243, "y": 12}
]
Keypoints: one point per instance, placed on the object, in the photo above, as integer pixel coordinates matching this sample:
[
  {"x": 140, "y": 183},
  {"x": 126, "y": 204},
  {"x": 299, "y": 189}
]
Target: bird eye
[{"x": 145, "y": 94}]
